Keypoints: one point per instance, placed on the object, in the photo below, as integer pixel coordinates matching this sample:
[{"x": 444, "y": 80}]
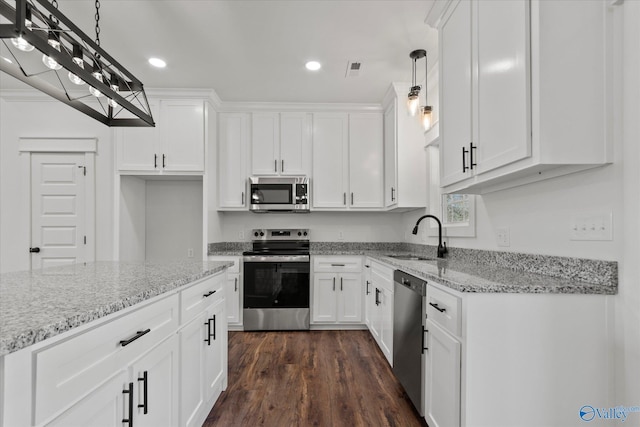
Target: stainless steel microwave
[{"x": 279, "y": 194}]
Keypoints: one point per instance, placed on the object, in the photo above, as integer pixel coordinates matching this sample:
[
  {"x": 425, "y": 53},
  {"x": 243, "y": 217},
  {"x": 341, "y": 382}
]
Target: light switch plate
[
  {"x": 503, "y": 236},
  {"x": 595, "y": 226}
]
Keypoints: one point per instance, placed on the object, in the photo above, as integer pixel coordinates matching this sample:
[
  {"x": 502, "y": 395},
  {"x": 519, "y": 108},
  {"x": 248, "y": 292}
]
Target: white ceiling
[{"x": 255, "y": 50}]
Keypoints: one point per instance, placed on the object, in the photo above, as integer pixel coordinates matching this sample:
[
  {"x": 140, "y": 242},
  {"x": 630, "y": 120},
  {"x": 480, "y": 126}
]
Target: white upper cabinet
[
  {"x": 233, "y": 146},
  {"x": 405, "y": 164},
  {"x": 519, "y": 84},
  {"x": 281, "y": 143},
  {"x": 347, "y": 161},
  {"x": 330, "y": 160},
  {"x": 366, "y": 173},
  {"x": 176, "y": 144}
]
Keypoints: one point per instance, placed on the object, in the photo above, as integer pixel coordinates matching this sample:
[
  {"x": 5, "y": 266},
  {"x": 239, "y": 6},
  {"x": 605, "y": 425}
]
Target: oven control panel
[{"x": 280, "y": 234}]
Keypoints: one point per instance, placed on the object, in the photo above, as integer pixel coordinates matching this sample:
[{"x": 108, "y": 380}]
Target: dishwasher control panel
[{"x": 412, "y": 282}]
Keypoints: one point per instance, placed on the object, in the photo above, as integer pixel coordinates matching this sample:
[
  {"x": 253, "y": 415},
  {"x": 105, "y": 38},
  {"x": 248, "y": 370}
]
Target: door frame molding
[{"x": 86, "y": 146}]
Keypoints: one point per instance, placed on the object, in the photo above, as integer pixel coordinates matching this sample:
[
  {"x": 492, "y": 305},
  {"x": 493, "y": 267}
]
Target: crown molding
[{"x": 238, "y": 107}]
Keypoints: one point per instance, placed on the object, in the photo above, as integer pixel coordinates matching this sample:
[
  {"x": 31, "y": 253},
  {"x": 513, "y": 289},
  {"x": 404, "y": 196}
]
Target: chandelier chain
[{"x": 98, "y": 22}]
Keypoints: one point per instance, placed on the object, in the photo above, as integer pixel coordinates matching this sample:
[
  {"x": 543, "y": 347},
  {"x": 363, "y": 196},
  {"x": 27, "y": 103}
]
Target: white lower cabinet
[
  {"x": 490, "y": 356},
  {"x": 338, "y": 296},
  {"x": 379, "y": 306},
  {"x": 233, "y": 291},
  {"x": 442, "y": 390},
  {"x": 136, "y": 367}
]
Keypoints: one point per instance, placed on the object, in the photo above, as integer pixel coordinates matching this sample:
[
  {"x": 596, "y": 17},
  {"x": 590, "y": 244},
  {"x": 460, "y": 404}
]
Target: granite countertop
[
  {"x": 464, "y": 276},
  {"x": 41, "y": 304}
]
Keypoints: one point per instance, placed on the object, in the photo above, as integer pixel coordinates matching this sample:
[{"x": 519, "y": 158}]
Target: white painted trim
[{"x": 58, "y": 145}]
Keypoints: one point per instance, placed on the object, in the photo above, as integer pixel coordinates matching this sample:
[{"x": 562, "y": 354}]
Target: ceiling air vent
[{"x": 353, "y": 68}]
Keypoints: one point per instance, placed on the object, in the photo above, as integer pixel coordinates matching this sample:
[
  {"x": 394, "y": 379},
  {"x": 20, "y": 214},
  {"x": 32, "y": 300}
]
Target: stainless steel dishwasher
[{"x": 408, "y": 334}]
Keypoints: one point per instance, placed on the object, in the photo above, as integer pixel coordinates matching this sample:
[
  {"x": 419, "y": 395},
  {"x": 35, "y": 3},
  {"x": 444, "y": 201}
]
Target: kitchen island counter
[{"x": 44, "y": 303}]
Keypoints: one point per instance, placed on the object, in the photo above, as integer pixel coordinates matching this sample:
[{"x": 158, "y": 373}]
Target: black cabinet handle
[
  {"x": 155, "y": 161},
  {"x": 471, "y": 162},
  {"x": 282, "y": 166},
  {"x": 208, "y": 294},
  {"x": 34, "y": 250},
  {"x": 337, "y": 265},
  {"x": 341, "y": 283},
  {"x": 144, "y": 404},
  {"x": 334, "y": 283},
  {"x": 441, "y": 310},
  {"x": 164, "y": 159},
  {"x": 464, "y": 159},
  {"x": 377, "y": 294},
  {"x": 129, "y": 391},
  {"x": 393, "y": 190},
  {"x": 344, "y": 198},
  {"x": 367, "y": 289},
  {"x": 243, "y": 198},
  {"x": 423, "y": 340},
  {"x": 208, "y": 338},
  {"x": 138, "y": 334},
  {"x": 275, "y": 166},
  {"x": 351, "y": 198},
  {"x": 235, "y": 289}
]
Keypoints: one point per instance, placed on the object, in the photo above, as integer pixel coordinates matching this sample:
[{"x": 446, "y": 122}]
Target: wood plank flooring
[{"x": 310, "y": 378}]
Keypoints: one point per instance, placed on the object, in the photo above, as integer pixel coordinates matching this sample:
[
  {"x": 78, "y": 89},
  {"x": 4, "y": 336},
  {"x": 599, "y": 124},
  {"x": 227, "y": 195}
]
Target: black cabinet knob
[
  {"x": 305, "y": 233},
  {"x": 255, "y": 234},
  {"x": 261, "y": 234}
]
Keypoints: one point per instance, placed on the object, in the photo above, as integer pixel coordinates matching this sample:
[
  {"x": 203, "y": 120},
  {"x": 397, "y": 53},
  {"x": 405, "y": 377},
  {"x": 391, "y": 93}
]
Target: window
[{"x": 456, "y": 211}]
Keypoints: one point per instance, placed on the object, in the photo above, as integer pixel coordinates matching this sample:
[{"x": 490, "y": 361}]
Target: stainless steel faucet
[{"x": 442, "y": 247}]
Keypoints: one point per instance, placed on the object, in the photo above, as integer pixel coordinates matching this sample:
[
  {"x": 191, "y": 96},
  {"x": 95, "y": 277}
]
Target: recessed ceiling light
[
  {"x": 313, "y": 65},
  {"x": 157, "y": 62}
]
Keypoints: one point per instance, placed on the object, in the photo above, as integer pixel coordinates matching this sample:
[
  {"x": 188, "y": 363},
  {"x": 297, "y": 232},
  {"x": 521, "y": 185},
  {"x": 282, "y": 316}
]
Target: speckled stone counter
[{"x": 38, "y": 305}]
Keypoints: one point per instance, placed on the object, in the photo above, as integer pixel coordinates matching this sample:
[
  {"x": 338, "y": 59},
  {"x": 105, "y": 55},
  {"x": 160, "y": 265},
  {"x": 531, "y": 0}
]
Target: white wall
[
  {"x": 47, "y": 118},
  {"x": 173, "y": 219},
  {"x": 325, "y": 226}
]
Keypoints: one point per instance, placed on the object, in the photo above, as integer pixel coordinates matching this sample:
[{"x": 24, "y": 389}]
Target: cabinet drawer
[
  {"x": 337, "y": 264},
  {"x": 201, "y": 295},
  {"x": 69, "y": 370},
  {"x": 443, "y": 308},
  {"x": 235, "y": 268}
]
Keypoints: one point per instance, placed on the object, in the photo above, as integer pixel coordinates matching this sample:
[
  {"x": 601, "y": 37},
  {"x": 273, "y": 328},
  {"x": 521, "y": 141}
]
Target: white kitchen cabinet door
[
  {"x": 456, "y": 94},
  {"x": 330, "y": 160},
  {"x": 182, "y": 135},
  {"x": 156, "y": 389},
  {"x": 106, "y": 406},
  {"x": 324, "y": 297},
  {"x": 390, "y": 157},
  {"x": 137, "y": 146},
  {"x": 265, "y": 143},
  {"x": 232, "y": 160},
  {"x": 215, "y": 352},
  {"x": 386, "y": 329},
  {"x": 442, "y": 407},
  {"x": 232, "y": 297},
  {"x": 502, "y": 111},
  {"x": 192, "y": 379},
  {"x": 366, "y": 170},
  {"x": 295, "y": 143},
  {"x": 350, "y": 298}
]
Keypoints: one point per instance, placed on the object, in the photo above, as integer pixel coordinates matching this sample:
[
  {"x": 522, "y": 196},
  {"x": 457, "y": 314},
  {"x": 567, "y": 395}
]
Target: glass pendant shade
[
  {"x": 413, "y": 101},
  {"x": 98, "y": 76},
  {"x": 48, "y": 61},
  {"x": 426, "y": 117},
  {"x": 77, "y": 58}
]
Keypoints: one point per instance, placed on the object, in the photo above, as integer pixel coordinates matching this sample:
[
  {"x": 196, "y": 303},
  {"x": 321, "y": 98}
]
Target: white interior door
[{"x": 58, "y": 209}]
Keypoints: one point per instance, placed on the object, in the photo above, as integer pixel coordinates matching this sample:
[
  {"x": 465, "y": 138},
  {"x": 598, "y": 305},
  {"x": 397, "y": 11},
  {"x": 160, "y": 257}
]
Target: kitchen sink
[{"x": 411, "y": 258}]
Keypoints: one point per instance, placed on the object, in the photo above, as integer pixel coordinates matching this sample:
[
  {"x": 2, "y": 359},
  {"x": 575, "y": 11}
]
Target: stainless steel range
[{"x": 276, "y": 280}]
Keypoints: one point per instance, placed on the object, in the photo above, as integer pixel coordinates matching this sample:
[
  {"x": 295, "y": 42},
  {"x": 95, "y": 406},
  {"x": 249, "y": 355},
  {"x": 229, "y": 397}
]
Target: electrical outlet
[
  {"x": 503, "y": 236},
  {"x": 190, "y": 253},
  {"x": 340, "y": 235},
  {"x": 597, "y": 226},
  {"x": 241, "y": 235}
]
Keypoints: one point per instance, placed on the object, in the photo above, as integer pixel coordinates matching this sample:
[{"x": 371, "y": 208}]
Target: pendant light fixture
[
  {"x": 69, "y": 60},
  {"x": 413, "y": 99}
]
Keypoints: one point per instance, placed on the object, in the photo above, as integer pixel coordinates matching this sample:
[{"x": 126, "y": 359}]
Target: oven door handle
[{"x": 276, "y": 258}]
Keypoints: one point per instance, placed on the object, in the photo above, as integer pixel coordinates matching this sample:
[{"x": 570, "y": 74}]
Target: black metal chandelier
[{"x": 67, "y": 62}]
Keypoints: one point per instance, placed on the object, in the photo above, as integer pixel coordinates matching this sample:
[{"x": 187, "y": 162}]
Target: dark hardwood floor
[{"x": 310, "y": 378}]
